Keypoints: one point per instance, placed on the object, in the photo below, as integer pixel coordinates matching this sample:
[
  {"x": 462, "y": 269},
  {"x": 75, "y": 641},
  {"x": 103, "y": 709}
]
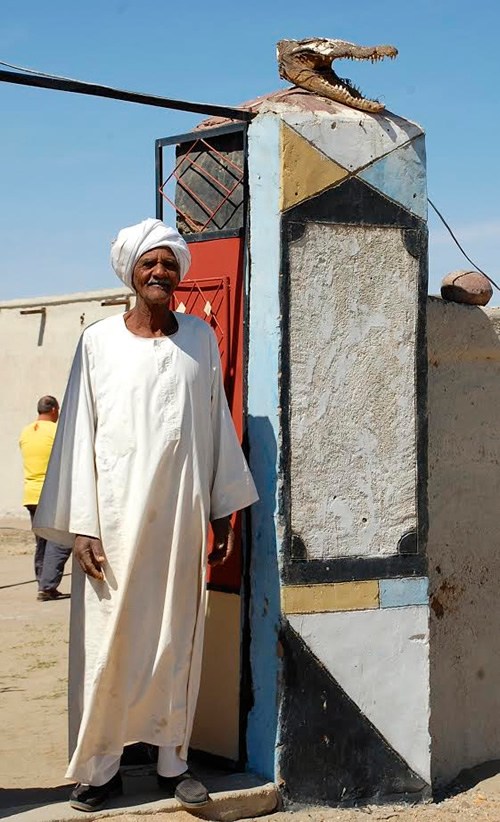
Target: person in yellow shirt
[{"x": 36, "y": 442}]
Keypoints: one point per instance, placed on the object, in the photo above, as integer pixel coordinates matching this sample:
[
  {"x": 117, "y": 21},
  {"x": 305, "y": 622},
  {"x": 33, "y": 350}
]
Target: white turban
[{"x": 132, "y": 242}]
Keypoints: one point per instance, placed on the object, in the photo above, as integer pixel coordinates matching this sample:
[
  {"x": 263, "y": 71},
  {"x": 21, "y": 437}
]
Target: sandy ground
[
  {"x": 453, "y": 810},
  {"x": 33, "y": 672},
  {"x": 473, "y": 806},
  {"x": 469, "y": 807},
  {"x": 33, "y": 678}
]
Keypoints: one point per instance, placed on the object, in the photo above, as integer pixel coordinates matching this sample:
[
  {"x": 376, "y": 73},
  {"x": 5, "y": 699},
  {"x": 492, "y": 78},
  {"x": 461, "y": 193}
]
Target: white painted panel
[
  {"x": 381, "y": 660},
  {"x": 353, "y": 139}
]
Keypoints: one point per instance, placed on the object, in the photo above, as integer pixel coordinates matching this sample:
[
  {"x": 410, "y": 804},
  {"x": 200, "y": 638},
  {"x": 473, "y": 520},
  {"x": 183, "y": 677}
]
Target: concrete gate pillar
[{"x": 337, "y": 435}]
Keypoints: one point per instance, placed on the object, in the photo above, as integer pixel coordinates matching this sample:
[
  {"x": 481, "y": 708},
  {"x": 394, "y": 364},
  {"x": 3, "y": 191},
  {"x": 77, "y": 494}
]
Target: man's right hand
[{"x": 90, "y": 555}]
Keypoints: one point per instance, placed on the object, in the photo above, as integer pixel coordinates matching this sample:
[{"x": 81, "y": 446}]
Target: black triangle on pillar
[
  {"x": 330, "y": 753},
  {"x": 352, "y": 202}
]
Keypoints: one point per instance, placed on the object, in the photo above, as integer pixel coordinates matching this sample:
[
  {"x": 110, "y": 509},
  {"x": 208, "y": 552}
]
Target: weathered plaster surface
[
  {"x": 352, "y": 358},
  {"x": 263, "y": 436},
  {"x": 354, "y": 139},
  {"x": 464, "y": 541},
  {"x": 401, "y": 175},
  {"x": 380, "y": 659}
]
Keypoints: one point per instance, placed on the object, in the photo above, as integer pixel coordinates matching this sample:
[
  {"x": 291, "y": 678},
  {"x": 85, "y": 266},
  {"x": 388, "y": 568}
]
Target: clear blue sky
[{"x": 74, "y": 169}]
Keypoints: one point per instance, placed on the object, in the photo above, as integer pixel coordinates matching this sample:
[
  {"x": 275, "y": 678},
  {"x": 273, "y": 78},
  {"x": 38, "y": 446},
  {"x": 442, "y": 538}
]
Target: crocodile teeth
[{"x": 308, "y": 64}]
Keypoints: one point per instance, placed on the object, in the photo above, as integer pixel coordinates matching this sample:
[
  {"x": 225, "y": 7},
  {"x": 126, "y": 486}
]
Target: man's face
[
  {"x": 55, "y": 413},
  {"x": 156, "y": 276}
]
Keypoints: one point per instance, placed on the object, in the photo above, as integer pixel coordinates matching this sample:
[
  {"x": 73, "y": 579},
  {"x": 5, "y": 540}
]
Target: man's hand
[
  {"x": 90, "y": 555},
  {"x": 223, "y": 541}
]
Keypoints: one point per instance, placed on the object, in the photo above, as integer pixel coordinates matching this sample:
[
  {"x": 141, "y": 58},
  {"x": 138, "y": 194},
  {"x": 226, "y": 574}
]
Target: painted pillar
[
  {"x": 263, "y": 427},
  {"x": 337, "y": 438}
]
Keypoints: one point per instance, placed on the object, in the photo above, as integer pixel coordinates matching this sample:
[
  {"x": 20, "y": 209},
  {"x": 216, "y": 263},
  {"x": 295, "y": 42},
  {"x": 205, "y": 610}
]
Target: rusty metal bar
[
  {"x": 41, "y": 310},
  {"x": 119, "y": 301}
]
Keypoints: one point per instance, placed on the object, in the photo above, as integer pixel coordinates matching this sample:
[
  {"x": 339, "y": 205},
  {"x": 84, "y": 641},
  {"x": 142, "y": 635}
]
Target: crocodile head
[{"x": 308, "y": 64}]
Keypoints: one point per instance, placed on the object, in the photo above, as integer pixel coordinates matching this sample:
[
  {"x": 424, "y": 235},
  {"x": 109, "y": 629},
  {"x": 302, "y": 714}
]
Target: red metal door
[{"x": 219, "y": 301}]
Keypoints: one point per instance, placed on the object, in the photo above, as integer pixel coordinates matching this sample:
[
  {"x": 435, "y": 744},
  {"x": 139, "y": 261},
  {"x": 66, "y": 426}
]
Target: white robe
[{"x": 145, "y": 455}]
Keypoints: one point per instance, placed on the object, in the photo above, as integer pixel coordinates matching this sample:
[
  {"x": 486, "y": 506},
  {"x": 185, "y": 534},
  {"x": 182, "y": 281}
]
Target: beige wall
[
  {"x": 464, "y": 538},
  {"x": 36, "y": 354}
]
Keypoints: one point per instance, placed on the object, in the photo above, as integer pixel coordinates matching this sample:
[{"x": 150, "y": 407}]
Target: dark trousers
[{"x": 50, "y": 559}]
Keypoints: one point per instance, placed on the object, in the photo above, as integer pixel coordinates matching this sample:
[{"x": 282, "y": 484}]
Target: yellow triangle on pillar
[{"x": 305, "y": 171}]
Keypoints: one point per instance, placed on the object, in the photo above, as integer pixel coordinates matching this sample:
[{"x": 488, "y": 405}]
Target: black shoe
[
  {"x": 92, "y": 797},
  {"x": 188, "y": 790},
  {"x": 51, "y": 594}
]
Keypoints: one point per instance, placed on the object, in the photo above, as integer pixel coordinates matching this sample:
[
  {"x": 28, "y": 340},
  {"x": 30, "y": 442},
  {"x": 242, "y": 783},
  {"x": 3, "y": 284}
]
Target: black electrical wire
[
  {"x": 476, "y": 267},
  {"x": 38, "y": 79},
  {"x": 38, "y": 73}
]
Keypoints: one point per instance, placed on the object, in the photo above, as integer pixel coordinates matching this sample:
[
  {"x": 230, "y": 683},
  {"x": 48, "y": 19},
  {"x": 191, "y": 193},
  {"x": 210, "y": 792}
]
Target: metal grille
[
  {"x": 209, "y": 300},
  {"x": 209, "y": 187}
]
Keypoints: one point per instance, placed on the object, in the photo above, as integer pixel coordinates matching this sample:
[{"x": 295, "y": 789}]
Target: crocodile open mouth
[{"x": 308, "y": 64}]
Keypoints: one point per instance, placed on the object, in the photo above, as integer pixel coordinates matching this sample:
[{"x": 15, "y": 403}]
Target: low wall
[
  {"x": 38, "y": 339},
  {"x": 464, "y": 535}
]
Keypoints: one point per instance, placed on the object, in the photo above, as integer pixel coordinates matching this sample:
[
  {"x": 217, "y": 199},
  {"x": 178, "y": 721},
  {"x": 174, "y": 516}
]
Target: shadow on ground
[{"x": 14, "y": 797}]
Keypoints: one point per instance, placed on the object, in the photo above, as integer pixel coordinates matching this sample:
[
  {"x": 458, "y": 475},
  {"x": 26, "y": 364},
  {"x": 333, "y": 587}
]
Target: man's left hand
[{"x": 223, "y": 541}]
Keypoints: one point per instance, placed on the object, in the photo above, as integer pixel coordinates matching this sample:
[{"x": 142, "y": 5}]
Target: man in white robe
[{"x": 145, "y": 457}]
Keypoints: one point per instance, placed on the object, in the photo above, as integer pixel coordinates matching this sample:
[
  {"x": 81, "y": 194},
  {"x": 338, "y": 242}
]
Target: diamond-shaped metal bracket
[{"x": 209, "y": 300}]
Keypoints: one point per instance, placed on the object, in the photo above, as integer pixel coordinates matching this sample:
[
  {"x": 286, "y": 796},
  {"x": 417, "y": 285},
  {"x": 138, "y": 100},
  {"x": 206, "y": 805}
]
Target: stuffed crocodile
[{"x": 308, "y": 64}]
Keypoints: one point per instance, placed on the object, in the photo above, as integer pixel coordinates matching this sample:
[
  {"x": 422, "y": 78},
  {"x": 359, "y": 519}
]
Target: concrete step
[{"x": 233, "y": 796}]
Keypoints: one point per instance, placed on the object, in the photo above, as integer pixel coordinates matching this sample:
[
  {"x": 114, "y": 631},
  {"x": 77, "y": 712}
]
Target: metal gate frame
[{"x": 193, "y": 136}]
